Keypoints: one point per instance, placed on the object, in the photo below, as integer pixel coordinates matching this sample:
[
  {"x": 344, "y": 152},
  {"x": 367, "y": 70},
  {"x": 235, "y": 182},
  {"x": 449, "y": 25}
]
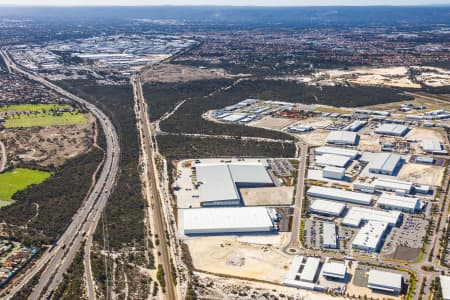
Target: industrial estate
[{"x": 225, "y": 153}]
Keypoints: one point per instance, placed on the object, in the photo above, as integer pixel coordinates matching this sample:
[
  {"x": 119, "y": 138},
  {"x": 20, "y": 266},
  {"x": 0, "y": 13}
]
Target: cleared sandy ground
[
  {"x": 272, "y": 123},
  {"x": 280, "y": 195},
  {"x": 419, "y": 133},
  {"x": 316, "y": 137},
  {"x": 422, "y": 174},
  {"x": 369, "y": 142},
  {"x": 179, "y": 73},
  {"x": 262, "y": 259},
  {"x": 216, "y": 287},
  {"x": 51, "y": 145}
]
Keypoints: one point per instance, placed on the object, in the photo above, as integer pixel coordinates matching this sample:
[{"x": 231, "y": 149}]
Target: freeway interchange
[{"x": 55, "y": 261}]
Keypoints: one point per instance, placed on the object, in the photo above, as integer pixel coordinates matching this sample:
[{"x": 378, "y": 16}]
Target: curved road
[{"x": 57, "y": 260}]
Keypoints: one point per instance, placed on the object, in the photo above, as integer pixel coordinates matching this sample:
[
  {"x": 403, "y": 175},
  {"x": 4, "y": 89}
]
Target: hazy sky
[{"x": 222, "y": 2}]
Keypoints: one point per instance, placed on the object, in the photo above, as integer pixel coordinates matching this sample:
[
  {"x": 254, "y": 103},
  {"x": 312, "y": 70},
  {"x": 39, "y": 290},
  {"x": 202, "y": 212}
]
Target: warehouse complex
[
  {"x": 334, "y": 270},
  {"x": 337, "y": 151},
  {"x": 327, "y": 208},
  {"x": 401, "y": 203},
  {"x": 227, "y": 220},
  {"x": 385, "y": 281},
  {"x": 433, "y": 146},
  {"x": 357, "y": 215},
  {"x": 339, "y": 195},
  {"x": 338, "y": 137},
  {"x": 385, "y": 163},
  {"x": 370, "y": 237},
  {"x": 334, "y": 172},
  {"x": 332, "y": 160},
  {"x": 329, "y": 236},
  {"x": 392, "y": 129},
  {"x": 219, "y": 183}
]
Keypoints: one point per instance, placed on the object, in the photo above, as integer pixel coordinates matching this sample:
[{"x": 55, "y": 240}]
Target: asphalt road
[
  {"x": 299, "y": 196},
  {"x": 57, "y": 261},
  {"x": 160, "y": 225}
]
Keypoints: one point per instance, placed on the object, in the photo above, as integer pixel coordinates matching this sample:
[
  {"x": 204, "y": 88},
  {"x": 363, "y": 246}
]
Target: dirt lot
[
  {"x": 422, "y": 174},
  {"x": 261, "y": 259},
  {"x": 273, "y": 123},
  {"x": 179, "y": 73},
  {"x": 215, "y": 287},
  {"x": 406, "y": 253},
  {"x": 369, "y": 142},
  {"x": 48, "y": 145},
  {"x": 418, "y": 133},
  {"x": 316, "y": 137},
  {"x": 282, "y": 195}
]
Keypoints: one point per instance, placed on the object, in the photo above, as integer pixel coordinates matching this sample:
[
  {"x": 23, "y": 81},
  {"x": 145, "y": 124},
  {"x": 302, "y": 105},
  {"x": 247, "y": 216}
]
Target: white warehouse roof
[
  {"x": 310, "y": 269},
  {"x": 386, "y": 184},
  {"x": 226, "y": 220},
  {"x": 369, "y": 236},
  {"x": 332, "y": 160},
  {"x": 339, "y": 195},
  {"x": 250, "y": 173},
  {"x": 445, "y": 286},
  {"x": 327, "y": 207},
  {"x": 399, "y": 202},
  {"x": 329, "y": 235},
  {"x": 386, "y": 281},
  {"x": 358, "y": 214},
  {"x": 339, "y": 137},
  {"x": 218, "y": 181},
  {"x": 334, "y": 269},
  {"x": 392, "y": 129},
  {"x": 337, "y": 151},
  {"x": 385, "y": 163}
]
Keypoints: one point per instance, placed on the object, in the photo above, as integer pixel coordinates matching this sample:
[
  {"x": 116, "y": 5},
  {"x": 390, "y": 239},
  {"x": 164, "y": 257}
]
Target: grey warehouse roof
[
  {"x": 339, "y": 195},
  {"x": 386, "y": 162},
  {"x": 342, "y": 137},
  {"x": 226, "y": 220},
  {"x": 218, "y": 181},
  {"x": 385, "y": 280},
  {"x": 392, "y": 129}
]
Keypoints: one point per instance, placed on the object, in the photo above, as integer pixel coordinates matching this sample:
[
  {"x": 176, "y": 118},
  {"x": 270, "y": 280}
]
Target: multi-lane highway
[
  {"x": 54, "y": 263},
  {"x": 152, "y": 185}
]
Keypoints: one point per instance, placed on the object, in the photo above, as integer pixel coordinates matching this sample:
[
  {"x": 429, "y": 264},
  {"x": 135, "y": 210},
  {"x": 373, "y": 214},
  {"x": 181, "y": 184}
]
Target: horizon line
[{"x": 221, "y": 5}]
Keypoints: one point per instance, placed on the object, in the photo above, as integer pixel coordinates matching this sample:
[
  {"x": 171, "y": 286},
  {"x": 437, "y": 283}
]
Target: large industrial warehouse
[
  {"x": 225, "y": 220},
  {"x": 401, "y": 203},
  {"x": 337, "y": 137},
  {"x": 339, "y": 195},
  {"x": 385, "y": 163},
  {"x": 332, "y": 160},
  {"x": 219, "y": 183},
  {"x": 329, "y": 236},
  {"x": 392, "y": 129},
  {"x": 432, "y": 146},
  {"x": 370, "y": 236},
  {"x": 385, "y": 281},
  {"x": 357, "y": 215},
  {"x": 337, "y": 151},
  {"x": 327, "y": 208}
]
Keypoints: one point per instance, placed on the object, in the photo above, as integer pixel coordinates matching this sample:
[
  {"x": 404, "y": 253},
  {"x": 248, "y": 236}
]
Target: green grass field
[
  {"x": 32, "y": 107},
  {"x": 18, "y": 179},
  {"x": 41, "y": 120}
]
